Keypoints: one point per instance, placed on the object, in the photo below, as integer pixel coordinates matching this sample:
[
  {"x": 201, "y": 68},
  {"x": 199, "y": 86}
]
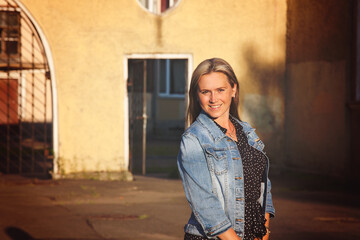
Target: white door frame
[{"x": 189, "y": 57}]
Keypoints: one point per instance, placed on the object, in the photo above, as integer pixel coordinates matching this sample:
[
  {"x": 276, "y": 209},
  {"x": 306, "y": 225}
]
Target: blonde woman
[{"x": 221, "y": 161}]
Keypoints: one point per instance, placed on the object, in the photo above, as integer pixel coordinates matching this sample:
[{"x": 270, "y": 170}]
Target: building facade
[{"x": 296, "y": 76}]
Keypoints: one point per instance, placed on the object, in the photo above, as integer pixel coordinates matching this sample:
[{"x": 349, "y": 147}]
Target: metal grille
[
  {"x": 25, "y": 96},
  {"x": 138, "y": 118}
]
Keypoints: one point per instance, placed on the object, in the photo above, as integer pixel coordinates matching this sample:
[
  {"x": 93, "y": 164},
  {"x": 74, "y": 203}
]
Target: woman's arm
[
  {"x": 269, "y": 208},
  {"x": 267, "y": 225},
  {"x": 196, "y": 179},
  {"x": 229, "y": 235}
]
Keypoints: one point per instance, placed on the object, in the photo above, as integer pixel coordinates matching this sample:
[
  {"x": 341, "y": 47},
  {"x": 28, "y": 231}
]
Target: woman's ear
[{"x": 234, "y": 90}]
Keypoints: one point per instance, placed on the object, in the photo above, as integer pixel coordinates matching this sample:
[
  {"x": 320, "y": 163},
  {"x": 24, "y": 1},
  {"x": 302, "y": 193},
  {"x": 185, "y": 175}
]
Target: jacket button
[
  {"x": 239, "y": 220},
  {"x": 238, "y": 178}
]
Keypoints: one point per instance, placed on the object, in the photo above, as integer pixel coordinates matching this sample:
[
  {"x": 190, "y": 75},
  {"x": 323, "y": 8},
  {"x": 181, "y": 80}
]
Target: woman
[{"x": 223, "y": 168}]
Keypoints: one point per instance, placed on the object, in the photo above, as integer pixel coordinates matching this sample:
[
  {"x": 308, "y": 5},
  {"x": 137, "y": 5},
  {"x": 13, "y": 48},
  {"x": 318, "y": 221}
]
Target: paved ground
[{"x": 152, "y": 208}]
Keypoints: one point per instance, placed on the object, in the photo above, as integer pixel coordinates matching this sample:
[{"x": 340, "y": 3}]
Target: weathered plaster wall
[
  {"x": 319, "y": 33},
  {"x": 89, "y": 38}
]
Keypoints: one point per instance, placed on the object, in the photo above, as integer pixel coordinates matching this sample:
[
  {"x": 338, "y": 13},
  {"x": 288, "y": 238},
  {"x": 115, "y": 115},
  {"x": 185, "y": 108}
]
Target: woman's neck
[{"x": 225, "y": 123}]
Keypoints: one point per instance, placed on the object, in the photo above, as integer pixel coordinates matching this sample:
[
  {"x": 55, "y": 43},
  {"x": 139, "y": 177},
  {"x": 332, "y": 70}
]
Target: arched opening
[{"x": 26, "y": 96}]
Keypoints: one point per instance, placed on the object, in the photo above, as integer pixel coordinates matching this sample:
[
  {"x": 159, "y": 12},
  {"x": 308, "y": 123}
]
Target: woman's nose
[{"x": 213, "y": 97}]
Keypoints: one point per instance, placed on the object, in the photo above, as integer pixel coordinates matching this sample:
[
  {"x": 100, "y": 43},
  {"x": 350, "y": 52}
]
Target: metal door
[{"x": 137, "y": 115}]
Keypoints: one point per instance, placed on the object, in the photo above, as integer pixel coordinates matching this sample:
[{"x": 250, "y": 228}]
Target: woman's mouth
[{"x": 215, "y": 106}]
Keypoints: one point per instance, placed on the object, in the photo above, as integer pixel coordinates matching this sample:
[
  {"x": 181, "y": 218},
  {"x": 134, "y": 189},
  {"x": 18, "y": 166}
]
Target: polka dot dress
[{"x": 254, "y": 163}]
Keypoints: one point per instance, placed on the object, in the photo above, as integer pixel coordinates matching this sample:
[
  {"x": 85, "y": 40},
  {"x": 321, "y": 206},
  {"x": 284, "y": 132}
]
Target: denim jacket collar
[{"x": 209, "y": 124}]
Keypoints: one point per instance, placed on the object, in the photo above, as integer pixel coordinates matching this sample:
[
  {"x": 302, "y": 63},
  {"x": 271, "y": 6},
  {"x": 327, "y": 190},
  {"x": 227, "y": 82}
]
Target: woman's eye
[
  {"x": 204, "y": 92},
  {"x": 221, "y": 90}
]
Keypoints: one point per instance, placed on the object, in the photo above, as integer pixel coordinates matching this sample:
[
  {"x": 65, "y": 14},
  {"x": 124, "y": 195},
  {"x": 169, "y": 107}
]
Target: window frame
[
  {"x": 167, "y": 93},
  {"x": 158, "y": 7},
  {"x": 4, "y": 38}
]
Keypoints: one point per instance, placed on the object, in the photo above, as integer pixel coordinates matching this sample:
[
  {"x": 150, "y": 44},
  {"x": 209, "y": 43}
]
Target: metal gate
[
  {"x": 137, "y": 115},
  {"x": 25, "y": 96}
]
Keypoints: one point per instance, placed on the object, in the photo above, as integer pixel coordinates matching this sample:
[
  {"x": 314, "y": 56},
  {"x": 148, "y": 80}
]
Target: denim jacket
[{"x": 206, "y": 166}]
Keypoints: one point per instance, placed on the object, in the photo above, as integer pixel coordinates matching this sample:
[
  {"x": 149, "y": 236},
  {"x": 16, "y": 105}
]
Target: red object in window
[
  {"x": 164, "y": 5},
  {"x": 9, "y": 101}
]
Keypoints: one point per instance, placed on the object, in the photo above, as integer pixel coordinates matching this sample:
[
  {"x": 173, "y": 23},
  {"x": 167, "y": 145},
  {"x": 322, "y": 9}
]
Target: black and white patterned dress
[{"x": 254, "y": 165}]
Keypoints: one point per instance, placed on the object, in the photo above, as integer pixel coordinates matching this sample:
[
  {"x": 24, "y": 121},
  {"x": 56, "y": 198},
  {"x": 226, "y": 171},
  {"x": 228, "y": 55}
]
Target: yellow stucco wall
[{"x": 88, "y": 40}]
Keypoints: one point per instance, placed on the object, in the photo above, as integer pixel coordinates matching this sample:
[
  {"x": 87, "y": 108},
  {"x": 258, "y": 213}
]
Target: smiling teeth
[{"x": 215, "y": 106}]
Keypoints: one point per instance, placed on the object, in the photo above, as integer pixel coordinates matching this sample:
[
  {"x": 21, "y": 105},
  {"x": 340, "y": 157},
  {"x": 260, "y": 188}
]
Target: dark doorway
[{"x": 156, "y": 91}]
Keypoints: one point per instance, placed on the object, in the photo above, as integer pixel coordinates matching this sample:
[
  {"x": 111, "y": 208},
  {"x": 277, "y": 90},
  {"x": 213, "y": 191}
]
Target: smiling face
[{"x": 215, "y": 94}]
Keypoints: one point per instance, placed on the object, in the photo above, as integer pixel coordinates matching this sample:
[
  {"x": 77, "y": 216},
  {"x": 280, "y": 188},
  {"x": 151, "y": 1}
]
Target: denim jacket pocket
[{"x": 217, "y": 160}]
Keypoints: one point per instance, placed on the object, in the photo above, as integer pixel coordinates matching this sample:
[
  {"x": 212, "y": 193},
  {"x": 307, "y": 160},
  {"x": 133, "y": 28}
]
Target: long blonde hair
[{"x": 205, "y": 67}]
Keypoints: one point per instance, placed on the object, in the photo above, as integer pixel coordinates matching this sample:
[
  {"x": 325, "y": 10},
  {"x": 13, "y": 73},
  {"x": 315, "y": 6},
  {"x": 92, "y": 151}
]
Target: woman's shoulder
[
  {"x": 198, "y": 130},
  {"x": 194, "y": 129}
]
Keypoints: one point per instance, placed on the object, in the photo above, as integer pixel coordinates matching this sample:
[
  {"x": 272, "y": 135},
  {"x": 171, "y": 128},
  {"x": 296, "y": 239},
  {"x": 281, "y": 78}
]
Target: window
[
  {"x": 158, "y": 6},
  {"x": 164, "y": 77},
  {"x": 9, "y": 33},
  {"x": 172, "y": 77}
]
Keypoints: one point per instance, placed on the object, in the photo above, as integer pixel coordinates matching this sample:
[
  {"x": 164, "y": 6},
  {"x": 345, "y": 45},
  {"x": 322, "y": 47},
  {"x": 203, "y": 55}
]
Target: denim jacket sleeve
[
  {"x": 197, "y": 184},
  {"x": 269, "y": 208}
]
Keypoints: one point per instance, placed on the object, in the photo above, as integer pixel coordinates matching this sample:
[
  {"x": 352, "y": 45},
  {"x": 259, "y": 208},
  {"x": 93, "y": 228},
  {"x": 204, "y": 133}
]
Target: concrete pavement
[{"x": 152, "y": 208}]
